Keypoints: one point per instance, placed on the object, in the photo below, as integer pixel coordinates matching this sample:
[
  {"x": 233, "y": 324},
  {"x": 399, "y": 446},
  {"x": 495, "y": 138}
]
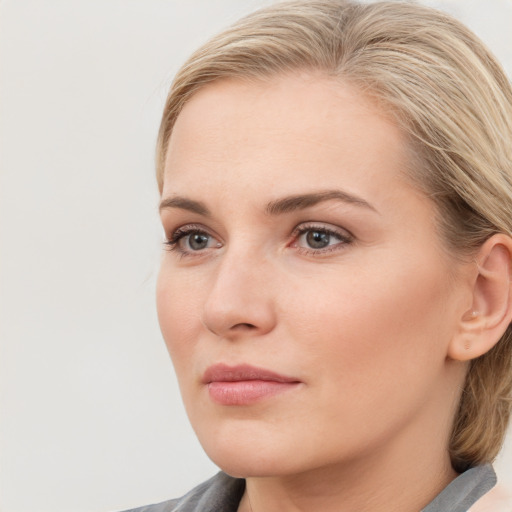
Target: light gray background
[{"x": 90, "y": 417}]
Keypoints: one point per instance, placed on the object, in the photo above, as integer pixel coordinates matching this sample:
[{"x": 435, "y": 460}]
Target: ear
[{"x": 482, "y": 326}]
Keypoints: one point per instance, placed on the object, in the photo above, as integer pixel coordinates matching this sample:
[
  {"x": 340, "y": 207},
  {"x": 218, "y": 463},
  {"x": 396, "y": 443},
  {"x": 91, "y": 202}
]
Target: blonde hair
[{"x": 452, "y": 100}]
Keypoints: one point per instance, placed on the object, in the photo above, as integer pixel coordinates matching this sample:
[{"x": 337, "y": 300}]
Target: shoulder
[{"x": 221, "y": 492}]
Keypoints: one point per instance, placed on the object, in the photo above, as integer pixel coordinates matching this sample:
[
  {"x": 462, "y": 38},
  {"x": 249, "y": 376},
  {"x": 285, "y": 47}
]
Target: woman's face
[{"x": 304, "y": 296}]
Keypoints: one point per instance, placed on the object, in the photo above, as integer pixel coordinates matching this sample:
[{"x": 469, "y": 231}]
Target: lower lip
[{"x": 246, "y": 392}]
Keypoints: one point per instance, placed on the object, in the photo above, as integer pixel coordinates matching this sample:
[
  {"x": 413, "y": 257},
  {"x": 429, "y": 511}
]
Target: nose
[{"x": 241, "y": 301}]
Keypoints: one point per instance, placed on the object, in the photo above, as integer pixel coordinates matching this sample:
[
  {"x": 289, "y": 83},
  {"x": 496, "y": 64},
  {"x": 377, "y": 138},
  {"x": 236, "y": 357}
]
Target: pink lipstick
[{"x": 244, "y": 384}]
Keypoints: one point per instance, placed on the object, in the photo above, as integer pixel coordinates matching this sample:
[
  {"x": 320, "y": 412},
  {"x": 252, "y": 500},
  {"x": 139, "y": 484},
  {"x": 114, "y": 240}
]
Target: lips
[{"x": 244, "y": 384}]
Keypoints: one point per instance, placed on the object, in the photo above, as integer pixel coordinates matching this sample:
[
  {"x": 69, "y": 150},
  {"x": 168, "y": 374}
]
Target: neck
[{"x": 358, "y": 488}]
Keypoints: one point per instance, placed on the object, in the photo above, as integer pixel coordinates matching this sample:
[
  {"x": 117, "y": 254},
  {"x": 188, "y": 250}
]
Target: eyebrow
[
  {"x": 276, "y": 207},
  {"x": 184, "y": 204},
  {"x": 302, "y": 201}
]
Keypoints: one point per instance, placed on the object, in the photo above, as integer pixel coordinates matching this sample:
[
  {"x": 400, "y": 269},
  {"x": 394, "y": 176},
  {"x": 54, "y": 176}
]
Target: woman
[{"x": 336, "y": 193}]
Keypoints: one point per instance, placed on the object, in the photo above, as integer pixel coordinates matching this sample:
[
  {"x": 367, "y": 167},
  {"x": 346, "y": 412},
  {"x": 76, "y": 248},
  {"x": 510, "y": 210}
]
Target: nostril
[{"x": 243, "y": 327}]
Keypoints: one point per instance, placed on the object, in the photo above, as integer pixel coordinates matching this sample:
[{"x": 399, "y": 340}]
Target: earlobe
[{"x": 482, "y": 326}]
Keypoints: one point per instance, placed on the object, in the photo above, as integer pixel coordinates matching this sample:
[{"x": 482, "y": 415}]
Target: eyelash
[
  {"x": 345, "y": 238},
  {"x": 173, "y": 243}
]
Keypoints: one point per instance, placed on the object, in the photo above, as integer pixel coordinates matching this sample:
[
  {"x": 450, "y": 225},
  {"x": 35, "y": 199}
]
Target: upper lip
[{"x": 242, "y": 372}]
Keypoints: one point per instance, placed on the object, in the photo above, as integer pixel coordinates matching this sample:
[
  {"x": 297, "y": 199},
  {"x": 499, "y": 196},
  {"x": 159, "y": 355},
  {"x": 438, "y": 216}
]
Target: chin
[
  {"x": 245, "y": 452},
  {"x": 250, "y": 465},
  {"x": 251, "y": 450}
]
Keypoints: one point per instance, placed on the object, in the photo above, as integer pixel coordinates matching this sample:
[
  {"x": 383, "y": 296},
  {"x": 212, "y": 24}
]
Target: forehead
[{"x": 303, "y": 127}]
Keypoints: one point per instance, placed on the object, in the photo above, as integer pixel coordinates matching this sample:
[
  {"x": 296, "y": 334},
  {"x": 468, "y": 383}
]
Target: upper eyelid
[
  {"x": 192, "y": 227},
  {"x": 325, "y": 226}
]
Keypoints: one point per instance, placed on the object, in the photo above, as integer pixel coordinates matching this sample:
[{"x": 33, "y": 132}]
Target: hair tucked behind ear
[{"x": 451, "y": 99}]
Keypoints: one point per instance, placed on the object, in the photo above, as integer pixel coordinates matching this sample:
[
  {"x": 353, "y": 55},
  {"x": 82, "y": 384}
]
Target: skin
[{"x": 364, "y": 324}]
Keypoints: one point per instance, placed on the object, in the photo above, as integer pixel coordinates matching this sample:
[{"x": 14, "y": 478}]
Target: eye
[
  {"x": 321, "y": 239},
  {"x": 316, "y": 239},
  {"x": 196, "y": 241},
  {"x": 190, "y": 239}
]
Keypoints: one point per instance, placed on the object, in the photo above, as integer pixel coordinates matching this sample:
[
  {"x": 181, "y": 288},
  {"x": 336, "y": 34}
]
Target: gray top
[{"x": 223, "y": 493}]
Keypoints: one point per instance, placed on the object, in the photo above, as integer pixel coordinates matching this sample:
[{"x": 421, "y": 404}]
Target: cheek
[
  {"x": 367, "y": 325},
  {"x": 372, "y": 347},
  {"x": 177, "y": 307}
]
